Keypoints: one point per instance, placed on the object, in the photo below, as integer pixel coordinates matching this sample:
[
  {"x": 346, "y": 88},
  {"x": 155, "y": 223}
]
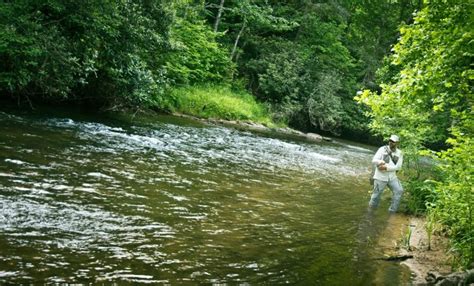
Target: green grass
[{"x": 217, "y": 102}]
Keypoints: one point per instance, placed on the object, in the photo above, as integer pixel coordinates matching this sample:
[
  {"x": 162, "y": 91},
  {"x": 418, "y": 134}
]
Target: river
[{"x": 166, "y": 200}]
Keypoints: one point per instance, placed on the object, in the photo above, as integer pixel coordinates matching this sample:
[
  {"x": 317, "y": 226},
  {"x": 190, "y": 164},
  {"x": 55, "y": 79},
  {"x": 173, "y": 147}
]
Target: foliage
[
  {"x": 196, "y": 56},
  {"x": 61, "y": 49},
  {"x": 419, "y": 195},
  {"x": 248, "y": 18},
  {"x": 300, "y": 77},
  {"x": 279, "y": 71},
  {"x": 373, "y": 31},
  {"x": 328, "y": 64},
  {"x": 217, "y": 102},
  {"x": 433, "y": 86},
  {"x": 305, "y": 59},
  {"x": 429, "y": 99},
  {"x": 454, "y": 207},
  {"x": 35, "y": 57},
  {"x": 323, "y": 104}
]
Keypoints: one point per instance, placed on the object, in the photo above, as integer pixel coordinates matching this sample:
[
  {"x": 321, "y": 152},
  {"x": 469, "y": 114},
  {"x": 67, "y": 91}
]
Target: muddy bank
[
  {"x": 429, "y": 253},
  {"x": 406, "y": 239}
]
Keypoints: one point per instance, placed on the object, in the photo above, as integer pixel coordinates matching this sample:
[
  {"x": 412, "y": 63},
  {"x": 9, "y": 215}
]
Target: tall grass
[{"x": 220, "y": 102}]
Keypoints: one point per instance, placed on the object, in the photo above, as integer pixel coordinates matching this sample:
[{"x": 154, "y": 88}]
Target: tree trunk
[
  {"x": 219, "y": 14},
  {"x": 234, "y": 49}
]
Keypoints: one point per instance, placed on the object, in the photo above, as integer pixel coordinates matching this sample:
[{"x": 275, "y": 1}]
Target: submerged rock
[{"x": 453, "y": 279}]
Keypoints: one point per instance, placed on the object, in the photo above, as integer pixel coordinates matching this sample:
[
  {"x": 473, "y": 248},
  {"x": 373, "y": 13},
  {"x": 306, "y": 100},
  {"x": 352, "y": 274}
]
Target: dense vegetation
[
  {"x": 427, "y": 98},
  {"x": 303, "y": 59},
  {"x": 300, "y": 62}
]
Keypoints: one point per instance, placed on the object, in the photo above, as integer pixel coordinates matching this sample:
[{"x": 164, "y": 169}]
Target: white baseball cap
[{"x": 394, "y": 138}]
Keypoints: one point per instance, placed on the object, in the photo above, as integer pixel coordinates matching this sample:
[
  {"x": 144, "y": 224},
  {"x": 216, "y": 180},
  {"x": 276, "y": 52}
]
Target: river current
[{"x": 166, "y": 200}]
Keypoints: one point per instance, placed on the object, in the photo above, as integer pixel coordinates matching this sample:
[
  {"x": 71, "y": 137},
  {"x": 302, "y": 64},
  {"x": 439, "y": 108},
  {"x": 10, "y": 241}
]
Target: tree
[
  {"x": 196, "y": 56},
  {"x": 372, "y": 31},
  {"x": 290, "y": 52},
  {"x": 219, "y": 14},
  {"x": 63, "y": 49},
  {"x": 248, "y": 16}
]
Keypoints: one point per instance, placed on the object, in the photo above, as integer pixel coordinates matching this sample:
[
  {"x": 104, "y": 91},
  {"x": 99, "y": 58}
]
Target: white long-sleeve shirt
[{"x": 392, "y": 168}]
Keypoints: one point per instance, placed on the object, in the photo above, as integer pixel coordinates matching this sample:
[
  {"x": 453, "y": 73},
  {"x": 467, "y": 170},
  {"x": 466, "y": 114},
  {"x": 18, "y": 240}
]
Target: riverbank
[
  {"x": 406, "y": 239},
  {"x": 430, "y": 255},
  {"x": 258, "y": 127}
]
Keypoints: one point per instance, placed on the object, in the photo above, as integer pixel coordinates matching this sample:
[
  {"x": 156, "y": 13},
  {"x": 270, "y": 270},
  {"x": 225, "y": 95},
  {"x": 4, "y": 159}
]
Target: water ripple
[{"x": 163, "y": 203}]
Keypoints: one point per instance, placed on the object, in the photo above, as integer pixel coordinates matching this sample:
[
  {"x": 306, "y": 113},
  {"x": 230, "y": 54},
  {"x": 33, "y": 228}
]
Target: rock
[
  {"x": 257, "y": 127},
  {"x": 432, "y": 277},
  {"x": 314, "y": 137},
  {"x": 453, "y": 279},
  {"x": 293, "y": 132},
  {"x": 469, "y": 276},
  {"x": 449, "y": 281}
]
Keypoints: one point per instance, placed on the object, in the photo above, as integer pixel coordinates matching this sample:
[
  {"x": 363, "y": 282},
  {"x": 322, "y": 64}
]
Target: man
[{"x": 388, "y": 160}]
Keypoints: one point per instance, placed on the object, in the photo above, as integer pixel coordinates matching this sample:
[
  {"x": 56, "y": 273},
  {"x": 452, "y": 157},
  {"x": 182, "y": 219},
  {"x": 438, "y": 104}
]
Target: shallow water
[{"x": 86, "y": 199}]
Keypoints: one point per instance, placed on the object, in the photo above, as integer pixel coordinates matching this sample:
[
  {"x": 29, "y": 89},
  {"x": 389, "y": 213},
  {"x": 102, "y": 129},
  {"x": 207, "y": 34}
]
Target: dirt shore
[
  {"x": 406, "y": 237},
  {"x": 429, "y": 254}
]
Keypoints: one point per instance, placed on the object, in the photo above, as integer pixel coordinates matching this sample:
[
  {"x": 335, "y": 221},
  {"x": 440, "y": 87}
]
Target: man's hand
[{"x": 382, "y": 167}]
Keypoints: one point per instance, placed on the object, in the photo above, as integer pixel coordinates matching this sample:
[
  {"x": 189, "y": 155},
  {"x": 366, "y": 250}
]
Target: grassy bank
[{"x": 220, "y": 102}]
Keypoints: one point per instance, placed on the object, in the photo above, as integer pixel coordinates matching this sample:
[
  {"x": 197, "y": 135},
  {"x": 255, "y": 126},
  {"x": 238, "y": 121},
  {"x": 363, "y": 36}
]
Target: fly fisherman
[{"x": 388, "y": 160}]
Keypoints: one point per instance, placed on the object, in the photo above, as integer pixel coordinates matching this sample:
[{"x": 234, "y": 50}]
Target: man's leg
[
  {"x": 397, "y": 192},
  {"x": 377, "y": 193}
]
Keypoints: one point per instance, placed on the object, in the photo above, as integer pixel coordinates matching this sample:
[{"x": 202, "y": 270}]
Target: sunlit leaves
[{"x": 196, "y": 56}]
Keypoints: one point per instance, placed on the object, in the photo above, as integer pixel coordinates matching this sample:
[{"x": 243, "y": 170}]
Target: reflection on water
[{"x": 94, "y": 200}]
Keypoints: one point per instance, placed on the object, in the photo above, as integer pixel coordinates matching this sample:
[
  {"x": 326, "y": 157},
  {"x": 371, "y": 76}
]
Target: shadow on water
[{"x": 88, "y": 199}]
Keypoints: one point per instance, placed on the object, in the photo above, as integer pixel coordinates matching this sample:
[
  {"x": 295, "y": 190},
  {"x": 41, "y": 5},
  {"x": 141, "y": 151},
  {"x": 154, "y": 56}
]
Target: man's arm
[{"x": 378, "y": 157}]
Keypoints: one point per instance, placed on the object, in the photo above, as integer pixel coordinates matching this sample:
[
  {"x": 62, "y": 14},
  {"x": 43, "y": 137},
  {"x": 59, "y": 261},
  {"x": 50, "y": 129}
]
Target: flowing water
[{"x": 165, "y": 200}]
